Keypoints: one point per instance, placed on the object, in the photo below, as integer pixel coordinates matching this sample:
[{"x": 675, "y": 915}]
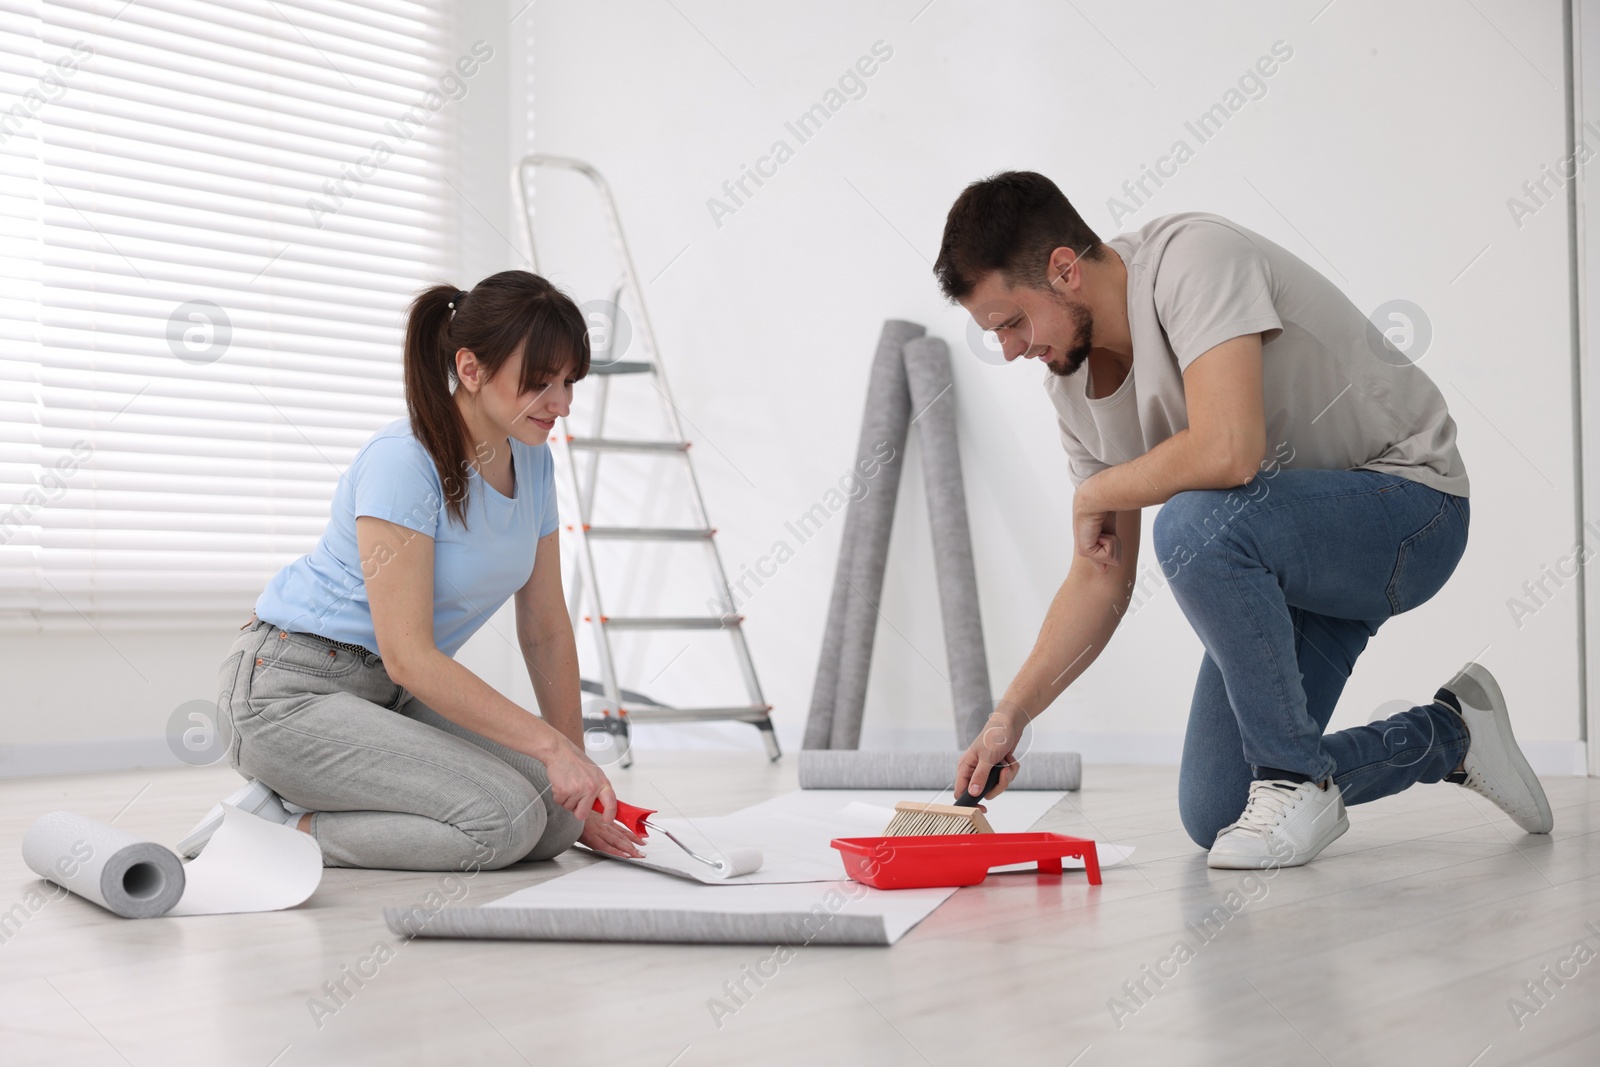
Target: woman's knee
[
  {"x": 507, "y": 835},
  {"x": 561, "y": 832},
  {"x": 561, "y": 827}
]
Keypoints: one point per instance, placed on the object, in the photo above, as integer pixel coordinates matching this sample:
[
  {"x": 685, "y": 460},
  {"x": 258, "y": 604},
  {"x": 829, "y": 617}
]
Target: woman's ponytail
[{"x": 430, "y": 371}]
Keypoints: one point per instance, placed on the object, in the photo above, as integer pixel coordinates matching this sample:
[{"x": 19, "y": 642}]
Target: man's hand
[
  {"x": 995, "y": 744},
  {"x": 1094, "y": 528}
]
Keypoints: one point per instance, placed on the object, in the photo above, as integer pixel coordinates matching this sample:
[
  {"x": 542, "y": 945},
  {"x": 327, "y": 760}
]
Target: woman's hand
[
  {"x": 612, "y": 838},
  {"x": 995, "y": 744},
  {"x": 576, "y": 783}
]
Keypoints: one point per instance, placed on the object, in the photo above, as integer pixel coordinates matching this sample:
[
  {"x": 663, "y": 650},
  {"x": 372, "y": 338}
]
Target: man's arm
[
  {"x": 1078, "y": 626},
  {"x": 1222, "y": 447}
]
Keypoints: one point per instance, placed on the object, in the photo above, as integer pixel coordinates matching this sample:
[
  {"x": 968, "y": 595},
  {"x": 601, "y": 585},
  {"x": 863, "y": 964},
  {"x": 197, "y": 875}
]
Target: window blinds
[{"x": 212, "y": 218}]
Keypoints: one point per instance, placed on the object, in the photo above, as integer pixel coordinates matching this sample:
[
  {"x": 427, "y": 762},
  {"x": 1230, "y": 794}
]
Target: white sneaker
[
  {"x": 255, "y": 798},
  {"x": 1284, "y": 824},
  {"x": 1494, "y": 766}
]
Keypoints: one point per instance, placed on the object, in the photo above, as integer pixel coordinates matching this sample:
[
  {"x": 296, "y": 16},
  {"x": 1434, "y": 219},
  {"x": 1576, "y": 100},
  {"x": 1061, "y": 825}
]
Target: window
[{"x": 212, "y": 218}]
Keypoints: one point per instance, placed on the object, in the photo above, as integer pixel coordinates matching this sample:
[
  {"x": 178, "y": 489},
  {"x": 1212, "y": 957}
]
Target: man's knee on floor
[{"x": 1203, "y": 820}]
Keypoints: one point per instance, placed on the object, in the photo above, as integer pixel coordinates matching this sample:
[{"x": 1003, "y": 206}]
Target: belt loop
[{"x": 251, "y": 622}]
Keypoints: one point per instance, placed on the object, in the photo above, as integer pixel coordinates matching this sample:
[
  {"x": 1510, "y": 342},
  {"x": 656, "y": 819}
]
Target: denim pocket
[
  {"x": 307, "y": 655},
  {"x": 1427, "y": 558}
]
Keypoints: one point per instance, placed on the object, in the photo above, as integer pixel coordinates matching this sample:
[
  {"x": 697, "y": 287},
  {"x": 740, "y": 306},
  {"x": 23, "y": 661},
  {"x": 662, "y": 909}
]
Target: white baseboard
[
  {"x": 29, "y": 759},
  {"x": 1148, "y": 749},
  {"x": 1152, "y": 749},
  {"x": 1557, "y": 759}
]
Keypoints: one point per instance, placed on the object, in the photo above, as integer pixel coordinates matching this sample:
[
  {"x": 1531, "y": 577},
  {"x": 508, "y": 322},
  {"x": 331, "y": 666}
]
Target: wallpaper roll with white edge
[
  {"x": 858, "y": 769},
  {"x": 249, "y": 865},
  {"x": 132, "y": 878}
]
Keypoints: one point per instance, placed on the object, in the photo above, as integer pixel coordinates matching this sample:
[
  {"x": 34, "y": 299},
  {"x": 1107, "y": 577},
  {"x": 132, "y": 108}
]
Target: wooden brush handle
[{"x": 967, "y": 800}]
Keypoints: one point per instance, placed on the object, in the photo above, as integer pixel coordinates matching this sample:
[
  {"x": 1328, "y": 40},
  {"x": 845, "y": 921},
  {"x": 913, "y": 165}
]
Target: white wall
[{"x": 1383, "y": 152}]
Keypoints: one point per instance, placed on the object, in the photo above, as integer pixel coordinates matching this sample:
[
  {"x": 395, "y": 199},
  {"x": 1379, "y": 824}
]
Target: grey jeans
[{"x": 394, "y": 784}]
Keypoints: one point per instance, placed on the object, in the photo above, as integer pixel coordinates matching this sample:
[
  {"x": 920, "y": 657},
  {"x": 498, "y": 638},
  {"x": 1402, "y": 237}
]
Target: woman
[{"x": 349, "y": 711}]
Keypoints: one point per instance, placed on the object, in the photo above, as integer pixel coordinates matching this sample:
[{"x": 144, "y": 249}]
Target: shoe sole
[
  {"x": 197, "y": 838},
  {"x": 1225, "y": 862},
  {"x": 1480, "y": 675}
]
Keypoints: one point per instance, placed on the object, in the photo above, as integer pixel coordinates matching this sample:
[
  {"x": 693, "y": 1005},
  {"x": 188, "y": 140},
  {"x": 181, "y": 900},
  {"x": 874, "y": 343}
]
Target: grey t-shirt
[{"x": 1332, "y": 401}]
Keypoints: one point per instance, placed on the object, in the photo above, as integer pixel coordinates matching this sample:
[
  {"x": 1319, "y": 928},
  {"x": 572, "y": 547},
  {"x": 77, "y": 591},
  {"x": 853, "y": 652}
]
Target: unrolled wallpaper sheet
[
  {"x": 250, "y": 864},
  {"x": 804, "y": 897}
]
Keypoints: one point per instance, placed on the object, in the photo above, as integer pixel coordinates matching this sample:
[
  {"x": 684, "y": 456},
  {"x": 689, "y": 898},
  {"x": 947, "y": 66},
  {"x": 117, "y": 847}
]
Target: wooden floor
[{"x": 1407, "y": 942}]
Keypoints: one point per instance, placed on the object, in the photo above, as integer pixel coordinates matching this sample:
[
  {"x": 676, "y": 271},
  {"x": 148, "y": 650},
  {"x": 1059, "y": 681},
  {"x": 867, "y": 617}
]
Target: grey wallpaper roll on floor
[
  {"x": 644, "y": 924},
  {"x": 852, "y": 769},
  {"x": 126, "y": 875}
]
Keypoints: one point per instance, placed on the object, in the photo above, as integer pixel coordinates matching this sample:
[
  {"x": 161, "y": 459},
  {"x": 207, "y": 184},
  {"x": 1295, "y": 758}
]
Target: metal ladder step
[
  {"x": 623, "y": 366},
  {"x": 648, "y": 533},
  {"x": 618, "y": 444},
  {"x": 668, "y": 622},
  {"x": 632, "y": 696},
  {"x": 756, "y": 713}
]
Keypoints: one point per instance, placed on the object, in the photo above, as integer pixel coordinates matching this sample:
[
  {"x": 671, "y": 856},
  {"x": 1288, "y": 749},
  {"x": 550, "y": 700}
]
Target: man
[{"x": 1311, "y": 488}]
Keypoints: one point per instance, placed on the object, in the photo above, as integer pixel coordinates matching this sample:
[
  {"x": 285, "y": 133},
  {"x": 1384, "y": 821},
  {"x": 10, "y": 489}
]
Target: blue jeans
[{"x": 1284, "y": 579}]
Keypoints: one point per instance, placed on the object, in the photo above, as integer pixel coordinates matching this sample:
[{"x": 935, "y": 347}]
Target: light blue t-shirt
[{"x": 475, "y": 570}]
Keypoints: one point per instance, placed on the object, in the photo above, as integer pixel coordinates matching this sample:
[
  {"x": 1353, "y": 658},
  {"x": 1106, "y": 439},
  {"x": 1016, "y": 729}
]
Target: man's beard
[{"x": 1082, "y": 334}]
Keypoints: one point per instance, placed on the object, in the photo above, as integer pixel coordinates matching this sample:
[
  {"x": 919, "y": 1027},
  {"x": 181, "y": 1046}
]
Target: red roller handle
[{"x": 631, "y": 817}]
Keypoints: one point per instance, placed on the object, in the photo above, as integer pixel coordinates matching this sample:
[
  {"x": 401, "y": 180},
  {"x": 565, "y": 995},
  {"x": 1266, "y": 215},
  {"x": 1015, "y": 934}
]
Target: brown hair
[
  {"x": 502, "y": 311},
  {"x": 1009, "y": 222}
]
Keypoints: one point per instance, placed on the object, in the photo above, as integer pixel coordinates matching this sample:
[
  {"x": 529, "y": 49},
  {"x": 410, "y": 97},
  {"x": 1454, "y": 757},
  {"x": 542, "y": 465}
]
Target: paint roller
[{"x": 731, "y": 863}]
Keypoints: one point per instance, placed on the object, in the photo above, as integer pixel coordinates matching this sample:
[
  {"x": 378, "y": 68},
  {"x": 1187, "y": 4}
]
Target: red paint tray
[{"x": 919, "y": 862}]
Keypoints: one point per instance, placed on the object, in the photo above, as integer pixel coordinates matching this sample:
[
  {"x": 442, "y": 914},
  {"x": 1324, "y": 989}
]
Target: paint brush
[{"x": 916, "y": 818}]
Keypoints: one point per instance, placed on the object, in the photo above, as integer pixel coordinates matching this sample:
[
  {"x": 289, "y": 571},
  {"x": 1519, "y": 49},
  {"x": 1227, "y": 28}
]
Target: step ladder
[{"x": 629, "y": 705}]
